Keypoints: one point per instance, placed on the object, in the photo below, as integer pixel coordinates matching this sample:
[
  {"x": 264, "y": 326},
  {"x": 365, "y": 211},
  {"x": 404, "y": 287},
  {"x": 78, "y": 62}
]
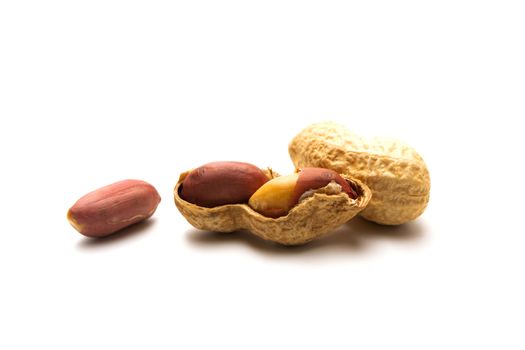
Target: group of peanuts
[{"x": 338, "y": 176}]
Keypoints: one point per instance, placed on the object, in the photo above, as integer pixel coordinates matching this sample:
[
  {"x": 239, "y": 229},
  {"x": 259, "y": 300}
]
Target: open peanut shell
[{"x": 312, "y": 218}]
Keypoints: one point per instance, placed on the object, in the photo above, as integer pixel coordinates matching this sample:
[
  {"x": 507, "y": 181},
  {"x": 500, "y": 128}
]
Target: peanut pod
[
  {"x": 311, "y": 218},
  {"x": 395, "y": 173}
]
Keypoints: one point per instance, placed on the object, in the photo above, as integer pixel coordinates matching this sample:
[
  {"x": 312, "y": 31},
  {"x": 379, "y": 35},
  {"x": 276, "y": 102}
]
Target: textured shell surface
[
  {"x": 312, "y": 218},
  {"x": 395, "y": 173}
]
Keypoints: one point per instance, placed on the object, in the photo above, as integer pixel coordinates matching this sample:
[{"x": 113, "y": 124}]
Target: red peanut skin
[
  {"x": 221, "y": 183},
  {"x": 113, "y": 207},
  {"x": 314, "y": 178}
]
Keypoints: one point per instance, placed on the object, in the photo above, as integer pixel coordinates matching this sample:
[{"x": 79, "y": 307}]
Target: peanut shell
[
  {"x": 395, "y": 173},
  {"x": 310, "y": 219}
]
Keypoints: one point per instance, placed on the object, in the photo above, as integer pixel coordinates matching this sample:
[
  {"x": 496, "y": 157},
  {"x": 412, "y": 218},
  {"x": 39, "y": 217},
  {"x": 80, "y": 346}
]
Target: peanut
[
  {"x": 276, "y": 197},
  {"x": 113, "y": 207},
  {"x": 317, "y": 212},
  {"x": 395, "y": 173},
  {"x": 221, "y": 183}
]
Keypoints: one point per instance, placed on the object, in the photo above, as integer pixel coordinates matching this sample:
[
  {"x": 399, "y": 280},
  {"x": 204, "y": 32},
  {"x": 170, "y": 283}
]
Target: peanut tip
[{"x": 73, "y": 221}]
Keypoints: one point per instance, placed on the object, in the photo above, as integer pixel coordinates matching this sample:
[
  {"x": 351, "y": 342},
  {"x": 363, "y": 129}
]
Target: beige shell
[
  {"x": 395, "y": 172},
  {"x": 310, "y": 219}
]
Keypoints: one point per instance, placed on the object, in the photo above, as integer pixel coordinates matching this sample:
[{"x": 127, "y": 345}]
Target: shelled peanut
[
  {"x": 276, "y": 197},
  {"x": 395, "y": 173},
  {"x": 293, "y": 209},
  {"x": 221, "y": 183},
  {"x": 113, "y": 207}
]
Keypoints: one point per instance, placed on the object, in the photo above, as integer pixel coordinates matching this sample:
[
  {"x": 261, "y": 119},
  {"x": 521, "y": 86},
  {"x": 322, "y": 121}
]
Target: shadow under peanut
[
  {"x": 126, "y": 234},
  {"x": 354, "y": 237}
]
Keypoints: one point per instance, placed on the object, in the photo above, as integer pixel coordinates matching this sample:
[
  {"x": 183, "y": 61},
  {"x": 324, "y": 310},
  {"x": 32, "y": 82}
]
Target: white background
[{"x": 98, "y": 91}]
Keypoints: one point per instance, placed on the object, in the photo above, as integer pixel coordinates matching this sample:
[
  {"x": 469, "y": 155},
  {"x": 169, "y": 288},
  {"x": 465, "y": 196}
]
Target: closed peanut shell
[
  {"x": 395, "y": 173},
  {"x": 312, "y": 218}
]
